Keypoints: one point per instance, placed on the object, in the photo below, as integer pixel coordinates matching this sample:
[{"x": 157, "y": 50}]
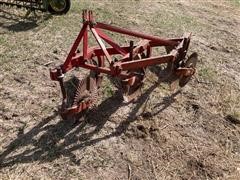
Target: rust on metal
[{"x": 127, "y": 64}]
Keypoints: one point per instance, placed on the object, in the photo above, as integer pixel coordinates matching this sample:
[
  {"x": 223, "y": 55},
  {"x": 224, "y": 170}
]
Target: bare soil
[{"x": 191, "y": 133}]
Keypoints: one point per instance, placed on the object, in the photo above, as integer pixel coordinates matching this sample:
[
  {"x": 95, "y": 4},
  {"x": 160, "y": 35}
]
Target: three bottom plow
[{"x": 127, "y": 65}]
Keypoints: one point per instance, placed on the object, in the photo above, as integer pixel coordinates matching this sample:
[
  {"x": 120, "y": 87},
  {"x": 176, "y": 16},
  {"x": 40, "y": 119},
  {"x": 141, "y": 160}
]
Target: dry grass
[{"x": 185, "y": 134}]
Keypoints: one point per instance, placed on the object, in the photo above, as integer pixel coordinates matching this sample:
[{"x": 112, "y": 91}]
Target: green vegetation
[
  {"x": 2, "y": 40},
  {"x": 108, "y": 90},
  {"x": 236, "y": 2},
  {"x": 208, "y": 73},
  {"x": 169, "y": 21},
  {"x": 236, "y": 114}
]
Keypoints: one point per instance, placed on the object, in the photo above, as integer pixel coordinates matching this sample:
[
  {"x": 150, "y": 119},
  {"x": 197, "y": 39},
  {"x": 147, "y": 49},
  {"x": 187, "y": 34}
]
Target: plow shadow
[{"x": 51, "y": 141}]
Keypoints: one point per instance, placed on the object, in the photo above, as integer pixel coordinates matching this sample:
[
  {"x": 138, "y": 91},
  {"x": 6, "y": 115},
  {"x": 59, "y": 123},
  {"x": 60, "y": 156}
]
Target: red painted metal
[
  {"x": 132, "y": 57},
  {"x": 163, "y": 42}
]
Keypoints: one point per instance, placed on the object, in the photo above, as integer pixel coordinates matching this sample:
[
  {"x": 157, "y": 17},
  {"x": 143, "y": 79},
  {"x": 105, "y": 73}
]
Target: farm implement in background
[
  {"x": 52, "y": 6},
  {"x": 127, "y": 65}
]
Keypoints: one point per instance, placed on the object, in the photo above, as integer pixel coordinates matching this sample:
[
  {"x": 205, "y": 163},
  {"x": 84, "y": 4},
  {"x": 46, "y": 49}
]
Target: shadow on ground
[
  {"x": 48, "y": 147},
  {"x": 14, "y": 22}
]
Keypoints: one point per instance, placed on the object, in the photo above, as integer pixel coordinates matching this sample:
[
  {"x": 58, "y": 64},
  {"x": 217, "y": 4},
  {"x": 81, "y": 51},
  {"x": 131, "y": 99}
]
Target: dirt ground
[{"x": 192, "y": 133}]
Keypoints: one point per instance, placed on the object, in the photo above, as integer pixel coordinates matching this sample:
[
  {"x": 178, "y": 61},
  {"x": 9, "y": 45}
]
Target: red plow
[{"x": 126, "y": 64}]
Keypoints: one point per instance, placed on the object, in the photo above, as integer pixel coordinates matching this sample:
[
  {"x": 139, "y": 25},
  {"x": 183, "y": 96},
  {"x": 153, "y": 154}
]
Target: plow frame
[{"x": 177, "y": 50}]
